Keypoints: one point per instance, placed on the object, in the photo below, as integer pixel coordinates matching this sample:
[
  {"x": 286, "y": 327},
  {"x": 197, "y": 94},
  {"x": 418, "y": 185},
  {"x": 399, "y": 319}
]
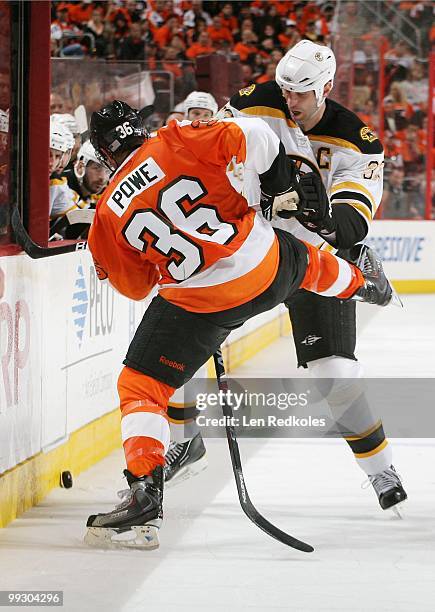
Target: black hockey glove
[
  {"x": 317, "y": 215},
  {"x": 286, "y": 204}
]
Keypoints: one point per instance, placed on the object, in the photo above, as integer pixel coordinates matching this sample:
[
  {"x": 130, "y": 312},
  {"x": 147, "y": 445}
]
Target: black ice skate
[
  {"x": 136, "y": 521},
  {"x": 377, "y": 288},
  {"x": 388, "y": 488},
  {"x": 184, "y": 459}
]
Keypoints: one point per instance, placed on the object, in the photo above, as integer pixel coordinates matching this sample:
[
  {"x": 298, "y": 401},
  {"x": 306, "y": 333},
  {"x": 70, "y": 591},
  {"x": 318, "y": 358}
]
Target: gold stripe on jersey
[
  {"x": 267, "y": 111},
  {"x": 364, "y": 434},
  {"x": 338, "y": 142},
  {"x": 58, "y": 181},
  {"x": 350, "y": 185},
  {"x": 325, "y": 246},
  {"x": 375, "y": 451},
  {"x": 362, "y": 208}
]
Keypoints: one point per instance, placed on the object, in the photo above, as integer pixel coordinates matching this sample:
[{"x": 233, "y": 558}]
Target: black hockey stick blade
[
  {"x": 35, "y": 251},
  {"x": 247, "y": 506}
]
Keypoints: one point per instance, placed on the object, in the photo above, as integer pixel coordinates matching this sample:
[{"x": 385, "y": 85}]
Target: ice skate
[
  {"x": 389, "y": 489},
  {"x": 377, "y": 288},
  {"x": 135, "y": 522},
  {"x": 184, "y": 459}
]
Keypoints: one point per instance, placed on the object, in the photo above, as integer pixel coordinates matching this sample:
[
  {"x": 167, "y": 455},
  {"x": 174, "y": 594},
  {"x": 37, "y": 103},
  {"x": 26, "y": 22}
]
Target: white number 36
[{"x": 124, "y": 130}]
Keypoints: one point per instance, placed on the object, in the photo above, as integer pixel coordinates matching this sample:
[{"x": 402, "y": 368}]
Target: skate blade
[
  {"x": 397, "y": 511},
  {"x": 143, "y": 537},
  {"x": 193, "y": 469},
  {"x": 395, "y": 299}
]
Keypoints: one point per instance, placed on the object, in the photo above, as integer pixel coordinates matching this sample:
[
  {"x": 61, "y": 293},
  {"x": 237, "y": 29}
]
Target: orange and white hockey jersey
[{"x": 170, "y": 216}]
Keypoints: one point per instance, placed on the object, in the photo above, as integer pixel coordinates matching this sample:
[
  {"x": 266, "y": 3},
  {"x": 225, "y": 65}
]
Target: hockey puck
[{"x": 66, "y": 480}]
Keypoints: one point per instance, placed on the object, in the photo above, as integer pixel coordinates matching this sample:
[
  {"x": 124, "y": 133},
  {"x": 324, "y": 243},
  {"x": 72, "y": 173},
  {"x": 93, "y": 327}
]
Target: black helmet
[{"x": 117, "y": 128}]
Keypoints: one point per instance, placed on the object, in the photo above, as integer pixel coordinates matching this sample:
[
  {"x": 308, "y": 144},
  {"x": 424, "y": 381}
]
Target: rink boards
[{"x": 63, "y": 336}]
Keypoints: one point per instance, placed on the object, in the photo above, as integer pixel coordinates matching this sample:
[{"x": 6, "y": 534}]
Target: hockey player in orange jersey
[{"x": 169, "y": 217}]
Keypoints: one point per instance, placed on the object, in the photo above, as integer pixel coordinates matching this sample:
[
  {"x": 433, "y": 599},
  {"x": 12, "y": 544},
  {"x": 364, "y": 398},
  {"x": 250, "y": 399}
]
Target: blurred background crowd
[{"x": 159, "y": 51}]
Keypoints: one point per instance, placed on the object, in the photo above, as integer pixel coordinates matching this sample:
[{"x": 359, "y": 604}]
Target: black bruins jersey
[{"x": 347, "y": 153}]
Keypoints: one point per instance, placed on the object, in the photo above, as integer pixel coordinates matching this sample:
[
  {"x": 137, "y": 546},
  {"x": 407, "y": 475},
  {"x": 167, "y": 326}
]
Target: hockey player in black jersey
[{"x": 343, "y": 164}]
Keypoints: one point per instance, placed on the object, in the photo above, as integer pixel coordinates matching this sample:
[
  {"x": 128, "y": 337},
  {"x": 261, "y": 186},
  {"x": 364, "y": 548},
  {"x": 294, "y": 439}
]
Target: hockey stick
[
  {"x": 247, "y": 506},
  {"x": 35, "y": 251}
]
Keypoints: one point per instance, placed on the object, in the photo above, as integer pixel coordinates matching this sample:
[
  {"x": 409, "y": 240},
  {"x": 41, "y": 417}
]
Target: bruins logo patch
[
  {"x": 246, "y": 91},
  {"x": 367, "y": 134}
]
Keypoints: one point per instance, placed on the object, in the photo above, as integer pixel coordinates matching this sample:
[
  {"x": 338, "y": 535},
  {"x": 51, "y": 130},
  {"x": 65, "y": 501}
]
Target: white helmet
[
  {"x": 85, "y": 154},
  {"x": 200, "y": 99},
  {"x": 4, "y": 121},
  {"x": 61, "y": 139},
  {"x": 306, "y": 67},
  {"x": 68, "y": 121}
]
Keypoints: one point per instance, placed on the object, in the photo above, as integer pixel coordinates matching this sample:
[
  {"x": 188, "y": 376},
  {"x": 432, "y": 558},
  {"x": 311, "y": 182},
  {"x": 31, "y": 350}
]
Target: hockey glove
[
  {"x": 317, "y": 215},
  {"x": 286, "y": 204}
]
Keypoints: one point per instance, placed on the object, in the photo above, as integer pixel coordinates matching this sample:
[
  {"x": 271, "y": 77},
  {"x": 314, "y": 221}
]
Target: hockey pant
[{"x": 171, "y": 344}]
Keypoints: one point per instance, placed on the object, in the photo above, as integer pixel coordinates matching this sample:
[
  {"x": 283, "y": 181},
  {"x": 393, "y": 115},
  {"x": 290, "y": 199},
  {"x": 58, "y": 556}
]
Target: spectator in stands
[
  {"x": 134, "y": 10},
  {"x": 368, "y": 114},
  {"x": 412, "y": 150},
  {"x": 352, "y": 22},
  {"x": 416, "y": 87},
  {"x": 399, "y": 60},
  {"x": 394, "y": 120},
  {"x": 394, "y": 202},
  {"x": 269, "y": 32},
  {"x": 192, "y": 34},
  {"x": 132, "y": 47},
  {"x": 248, "y": 74},
  {"x": 120, "y": 30},
  {"x": 156, "y": 14},
  {"x": 228, "y": 19},
  {"x": 218, "y": 32},
  {"x": 324, "y": 23},
  {"x": 290, "y": 36},
  {"x": 246, "y": 24},
  {"x": 276, "y": 55},
  {"x": 258, "y": 66},
  {"x": 272, "y": 18},
  {"x": 269, "y": 74},
  {"x": 179, "y": 45},
  {"x": 62, "y": 24},
  {"x": 312, "y": 34},
  {"x": 400, "y": 102},
  {"x": 267, "y": 46},
  {"x": 247, "y": 47},
  {"x": 204, "y": 46},
  {"x": 80, "y": 12},
  {"x": 97, "y": 27},
  {"x": 194, "y": 13},
  {"x": 164, "y": 34}
]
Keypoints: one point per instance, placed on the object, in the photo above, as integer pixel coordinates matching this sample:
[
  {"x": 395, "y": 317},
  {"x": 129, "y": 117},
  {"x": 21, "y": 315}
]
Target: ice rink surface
[{"x": 212, "y": 558}]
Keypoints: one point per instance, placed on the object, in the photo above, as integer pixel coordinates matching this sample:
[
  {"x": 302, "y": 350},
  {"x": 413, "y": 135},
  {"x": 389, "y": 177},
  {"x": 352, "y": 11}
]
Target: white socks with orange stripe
[
  {"x": 329, "y": 275},
  {"x": 340, "y": 381}
]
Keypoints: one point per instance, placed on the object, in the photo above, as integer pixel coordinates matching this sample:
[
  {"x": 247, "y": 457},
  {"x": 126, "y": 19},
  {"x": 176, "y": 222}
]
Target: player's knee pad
[{"x": 339, "y": 381}]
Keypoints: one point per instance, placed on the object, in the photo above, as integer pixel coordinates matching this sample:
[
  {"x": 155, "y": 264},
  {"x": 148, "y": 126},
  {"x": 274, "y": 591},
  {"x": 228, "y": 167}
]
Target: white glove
[{"x": 284, "y": 205}]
